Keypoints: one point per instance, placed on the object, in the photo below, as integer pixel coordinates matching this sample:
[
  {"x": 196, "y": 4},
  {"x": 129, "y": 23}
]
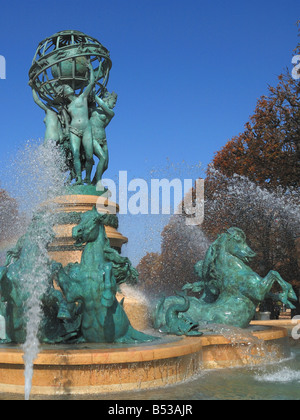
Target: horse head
[
  {"x": 88, "y": 229},
  {"x": 229, "y": 244},
  {"x": 236, "y": 245}
]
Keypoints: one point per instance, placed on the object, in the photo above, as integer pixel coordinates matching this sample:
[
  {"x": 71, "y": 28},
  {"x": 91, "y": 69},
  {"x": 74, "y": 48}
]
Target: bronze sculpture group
[
  {"x": 79, "y": 127},
  {"x": 68, "y": 80},
  {"x": 228, "y": 290},
  {"x": 77, "y": 105},
  {"x": 78, "y": 302}
]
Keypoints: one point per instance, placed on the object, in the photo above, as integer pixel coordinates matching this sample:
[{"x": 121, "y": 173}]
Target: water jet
[{"x": 68, "y": 324}]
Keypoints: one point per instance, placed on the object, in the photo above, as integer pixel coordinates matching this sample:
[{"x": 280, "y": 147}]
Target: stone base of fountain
[
  {"x": 97, "y": 369},
  {"x": 63, "y": 249}
]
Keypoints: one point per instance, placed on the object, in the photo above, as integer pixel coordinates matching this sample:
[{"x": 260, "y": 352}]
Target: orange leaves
[{"x": 268, "y": 151}]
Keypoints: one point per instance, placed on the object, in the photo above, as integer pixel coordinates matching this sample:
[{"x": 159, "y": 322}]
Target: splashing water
[
  {"x": 38, "y": 175},
  {"x": 246, "y": 202},
  {"x": 181, "y": 247},
  {"x": 139, "y": 227},
  {"x": 284, "y": 375},
  {"x": 253, "y": 348},
  {"x": 132, "y": 292},
  {"x": 34, "y": 282}
]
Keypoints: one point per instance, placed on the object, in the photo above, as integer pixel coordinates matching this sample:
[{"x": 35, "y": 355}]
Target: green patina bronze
[
  {"x": 24, "y": 263},
  {"x": 101, "y": 115},
  {"x": 68, "y": 77},
  {"x": 175, "y": 323},
  {"x": 231, "y": 290},
  {"x": 94, "y": 282},
  {"x": 77, "y": 303},
  {"x": 84, "y": 308}
]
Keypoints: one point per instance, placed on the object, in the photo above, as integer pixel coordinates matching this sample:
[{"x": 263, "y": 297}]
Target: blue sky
[{"x": 188, "y": 73}]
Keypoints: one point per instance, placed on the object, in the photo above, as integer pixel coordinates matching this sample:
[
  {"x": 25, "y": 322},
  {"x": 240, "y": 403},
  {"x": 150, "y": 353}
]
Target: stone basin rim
[{"x": 131, "y": 354}]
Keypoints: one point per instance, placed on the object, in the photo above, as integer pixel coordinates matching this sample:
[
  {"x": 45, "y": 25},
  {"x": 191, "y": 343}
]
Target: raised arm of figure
[
  {"x": 39, "y": 102},
  {"x": 108, "y": 111},
  {"x": 91, "y": 82}
]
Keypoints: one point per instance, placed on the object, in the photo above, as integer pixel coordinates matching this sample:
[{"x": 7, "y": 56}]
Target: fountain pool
[
  {"x": 278, "y": 381},
  {"x": 174, "y": 368},
  {"x": 272, "y": 380}
]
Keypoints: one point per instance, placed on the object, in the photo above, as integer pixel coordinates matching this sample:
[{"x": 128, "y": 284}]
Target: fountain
[{"x": 67, "y": 325}]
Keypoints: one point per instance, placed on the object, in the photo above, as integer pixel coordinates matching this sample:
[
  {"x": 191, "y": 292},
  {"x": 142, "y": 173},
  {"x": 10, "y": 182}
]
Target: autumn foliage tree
[
  {"x": 182, "y": 246},
  {"x": 268, "y": 151},
  {"x": 270, "y": 220},
  {"x": 149, "y": 269},
  {"x": 267, "y": 154},
  {"x": 253, "y": 184}
]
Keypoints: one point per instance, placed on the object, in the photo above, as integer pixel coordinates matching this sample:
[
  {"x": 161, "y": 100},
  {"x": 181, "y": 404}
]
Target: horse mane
[
  {"x": 109, "y": 220},
  {"x": 209, "y": 270},
  {"x": 210, "y": 274},
  {"x": 106, "y": 218}
]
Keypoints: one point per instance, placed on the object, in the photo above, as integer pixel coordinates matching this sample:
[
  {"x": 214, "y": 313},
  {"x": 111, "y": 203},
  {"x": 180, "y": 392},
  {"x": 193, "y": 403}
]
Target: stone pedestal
[
  {"x": 70, "y": 207},
  {"x": 63, "y": 250}
]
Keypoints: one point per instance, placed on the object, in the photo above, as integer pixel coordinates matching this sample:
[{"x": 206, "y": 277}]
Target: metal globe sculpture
[{"x": 63, "y": 59}]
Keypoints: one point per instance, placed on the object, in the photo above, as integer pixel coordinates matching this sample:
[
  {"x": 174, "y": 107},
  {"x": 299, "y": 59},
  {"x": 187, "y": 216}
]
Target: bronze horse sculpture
[
  {"x": 93, "y": 284},
  {"x": 230, "y": 289},
  {"x": 84, "y": 307}
]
